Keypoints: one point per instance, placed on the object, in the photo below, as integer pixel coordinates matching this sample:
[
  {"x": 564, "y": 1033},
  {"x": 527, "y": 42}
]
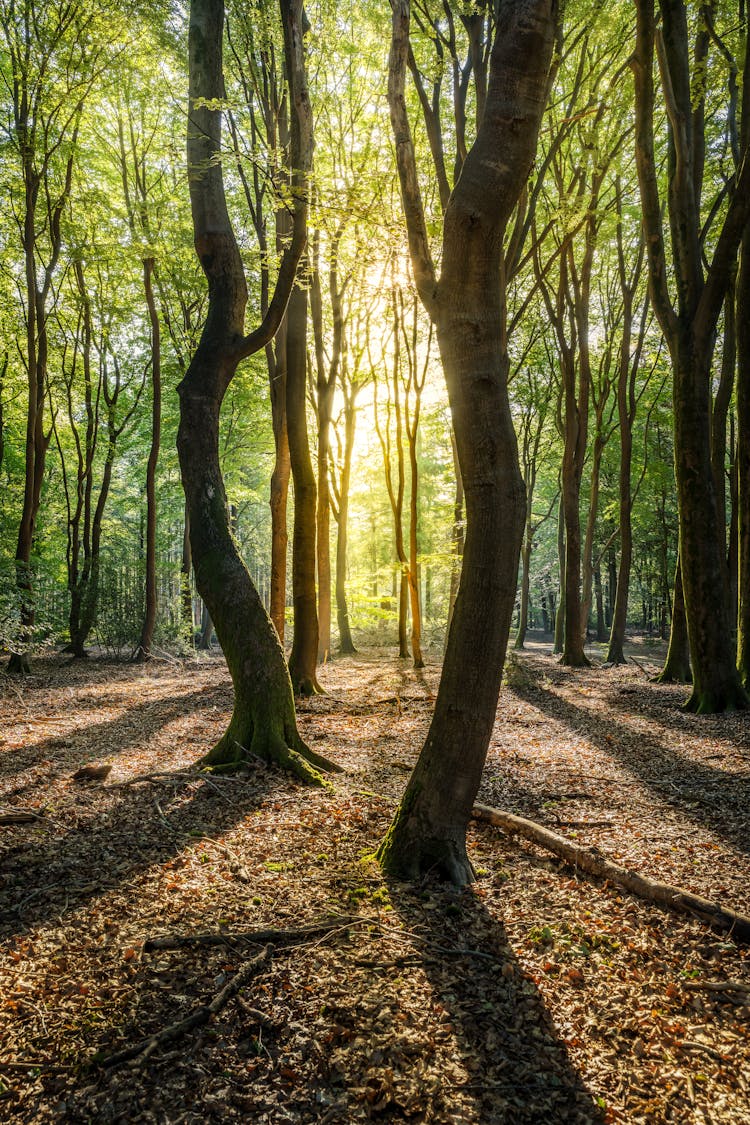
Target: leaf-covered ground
[{"x": 535, "y": 996}]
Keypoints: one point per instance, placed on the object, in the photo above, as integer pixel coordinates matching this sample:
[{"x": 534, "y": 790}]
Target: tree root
[
  {"x": 144, "y": 1048},
  {"x": 594, "y": 863}
]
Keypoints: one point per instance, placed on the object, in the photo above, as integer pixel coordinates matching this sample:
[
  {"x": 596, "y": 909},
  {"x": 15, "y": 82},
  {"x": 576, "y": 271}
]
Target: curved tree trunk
[
  {"x": 263, "y": 721},
  {"x": 428, "y": 833}
]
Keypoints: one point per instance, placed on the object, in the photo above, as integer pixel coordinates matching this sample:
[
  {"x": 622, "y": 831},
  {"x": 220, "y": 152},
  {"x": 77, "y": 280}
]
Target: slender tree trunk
[
  {"x": 323, "y": 536},
  {"x": 416, "y": 610},
  {"x": 143, "y": 651},
  {"x": 428, "y": 833},
  {"x": 346, "y": 643},
  {"x": 276, "y": 358},
  {"x": 457, "y": 533},
  {"x": 186, "y": 595},
  {"x": 676, "y": 668},
  {"x": 561, "y": 563},
  {"x": 601, "y": 625},
  {"x": 743, "y": 461},
  {"x": 588, "y": 541},
  {"x": 523, "y": 616},
  {"x": 304, "y": 655}
]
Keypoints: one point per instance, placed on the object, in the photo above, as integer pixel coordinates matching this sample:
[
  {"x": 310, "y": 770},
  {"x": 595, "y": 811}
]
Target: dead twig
[{"x": 144, "y": 1048}]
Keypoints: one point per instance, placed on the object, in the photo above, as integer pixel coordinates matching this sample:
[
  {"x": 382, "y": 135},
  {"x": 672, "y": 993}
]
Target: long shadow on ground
[
  {"x": 48, "y": 875},
  {"x": 112, "y": 736},
  {"x": 706, "y": 795},
  {"x": 503, "y": 1033}
]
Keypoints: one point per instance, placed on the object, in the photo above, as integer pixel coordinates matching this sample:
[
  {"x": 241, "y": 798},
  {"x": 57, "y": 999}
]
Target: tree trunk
[
  {"x": 743, "y": 461},
  {"x": 457, "y": 533},
  {"x": 559, "y": 640},
  {"x": 416, "y": 609},
  {"x": 716, "y": 685},
  {"x": 346, "y": 643},
  {"x": 186, "y": 596},
  {"x": 323, "y": 537},
  {"x": 263, "y": 722},
  {"x": 304, "y": 655},
  {"x": 676, "y": 668},
  {"x": 143, "y": 651},
  {"x": 428, "y": 833},
  {"x": 523, "y": 616},
  {"x": 276, "y": 359}
]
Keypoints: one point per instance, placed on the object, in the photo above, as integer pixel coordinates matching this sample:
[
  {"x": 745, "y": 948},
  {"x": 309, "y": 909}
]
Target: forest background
[{"x": 104, "y": 301}]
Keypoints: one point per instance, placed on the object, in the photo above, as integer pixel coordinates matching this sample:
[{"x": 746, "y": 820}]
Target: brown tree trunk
[
  {"x": 559, "y": 640},
  {"x": 346, "y": 643},
  {"x": 457, "y": 533},
  {"x": 523, "y": 615},
  {"x": 276, "y": 359},
  {"x": 143, "y": 651},
  {"x": 186, "y": 595},
  {"x": 676, "y": 668},
  {"x": 743, "y": 461},
  {"x": 304, "y": 655},
  {"x": 428, "y": 833},
  {"x": 263, "y": 722},
  {"x": 689, "y": 328}
]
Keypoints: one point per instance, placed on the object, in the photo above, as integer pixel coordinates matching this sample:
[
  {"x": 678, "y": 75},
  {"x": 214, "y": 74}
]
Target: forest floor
[{"x": 536, "y": 996}]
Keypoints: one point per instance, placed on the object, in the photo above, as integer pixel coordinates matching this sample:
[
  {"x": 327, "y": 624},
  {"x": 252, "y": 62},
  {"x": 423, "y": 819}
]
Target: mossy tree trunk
[
  {"x": 428, "y": 834},
  {"x": 263, "y": 722}
]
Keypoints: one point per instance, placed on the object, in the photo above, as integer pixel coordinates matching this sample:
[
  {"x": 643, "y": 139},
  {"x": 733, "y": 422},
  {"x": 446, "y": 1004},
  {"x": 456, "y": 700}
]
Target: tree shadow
[
  {"x": 519, "y": 1069},
  {"x": 50, "y": 875},
  {"x": 705, "y": 794},
  {"x": 112, "y": 736}
]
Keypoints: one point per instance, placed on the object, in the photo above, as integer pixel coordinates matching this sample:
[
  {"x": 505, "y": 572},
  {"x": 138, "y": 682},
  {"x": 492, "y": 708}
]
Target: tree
[
  {"x": 689, "y": 325},
  {"x": 263, "y": 722},
  {"x": 49, "y": 74},
  {"x": 466, "y": 303}
]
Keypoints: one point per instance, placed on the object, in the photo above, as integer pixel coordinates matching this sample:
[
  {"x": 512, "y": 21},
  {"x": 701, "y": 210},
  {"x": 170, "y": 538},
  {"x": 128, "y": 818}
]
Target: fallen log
[{"x": 593, "y": 862}]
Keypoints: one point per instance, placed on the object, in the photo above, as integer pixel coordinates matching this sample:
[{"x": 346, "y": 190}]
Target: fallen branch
[
  {"x": 250, "y": 937},
  {"x": 594, "y": 863},
  {"x": 146, "y": 1047},
  {"x": 716, "y": 986},
  {"x": 21, "y": 816}
]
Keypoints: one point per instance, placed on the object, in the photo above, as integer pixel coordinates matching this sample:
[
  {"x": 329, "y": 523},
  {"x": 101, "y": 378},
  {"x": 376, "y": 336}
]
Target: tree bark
[
  {"x": 263, "y": 722},
  {"x": 346, "y": 642},
  {"x": 303, "y": 658},
  {"x": 143, "y": 651},
  {"x": 428, "y": 833},
  {"x": 676, "y": 668},
  {"x": 689, "y": 330}
]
